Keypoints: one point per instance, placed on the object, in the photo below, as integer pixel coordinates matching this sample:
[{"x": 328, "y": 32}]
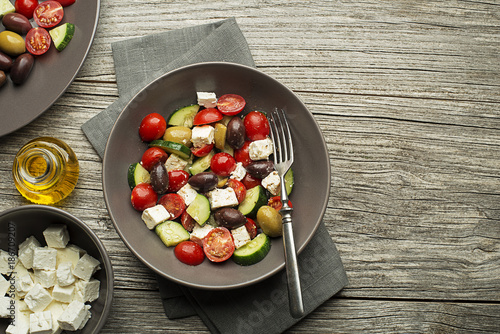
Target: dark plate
[
  {"x": 52, "y": 72},
  {"x": 177, "y": 89}
]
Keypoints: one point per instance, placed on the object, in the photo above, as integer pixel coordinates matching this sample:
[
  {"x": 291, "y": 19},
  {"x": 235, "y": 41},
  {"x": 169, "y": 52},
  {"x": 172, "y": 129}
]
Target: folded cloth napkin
[{"x": 262, "y": 307}]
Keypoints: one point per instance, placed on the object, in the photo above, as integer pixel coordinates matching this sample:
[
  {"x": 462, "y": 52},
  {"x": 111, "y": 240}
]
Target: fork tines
[{"x": 282, "y": 140}]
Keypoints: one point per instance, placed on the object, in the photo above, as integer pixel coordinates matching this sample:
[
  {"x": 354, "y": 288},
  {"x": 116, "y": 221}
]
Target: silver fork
[{"x": 283, "y": 159}]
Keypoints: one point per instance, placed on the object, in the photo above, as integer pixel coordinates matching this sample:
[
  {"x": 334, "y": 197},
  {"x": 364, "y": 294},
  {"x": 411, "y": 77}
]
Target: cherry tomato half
[
  {"x": 218, "y": 244},
  {"x": 249, "y": 181},
  {"x": 48, "y": 14},
  {"x": 152, "y": 127},
  {"x": 207, "y": 116},
  {"x": 202, "y": 151},
  {"x": 189, "y": 252},
  {"x": 251, "y": 227},
  {"x": 174, "y": 204},
  {"x": 222, "y": 164},
  {"x": 151, "y": 156},
  {"x": 238, "y": 188},
  {"x": 188, "y": 222},
  {"x": 243, "y": 154},
  {"x": 38, "y": 41},
  {"x": 256, "y": 125},
  {"x": 176, "y": 180},
  {"x": 66, "y": 3},
  {"x": 230, "y": 104},
  {"x": 275, "y": 202},
  {"x": 26, "y": 7},
  {"x": 143, "y": 197}
]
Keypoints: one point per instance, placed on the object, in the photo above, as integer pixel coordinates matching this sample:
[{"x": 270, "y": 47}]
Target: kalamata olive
[
  {"x": 3, "y": 78},
  {"x": 17, "y": 23},
  {"x": 204, "y": 181},
  {"x": 235, "y": 135},
  {"x": 260, "y": 169},
  {"x": 12, "y": 43},
  {"x": 21, "y": 68},
  {"x": 229, "y": 218},
  {"x": 159, "y": 178},
  {"x": 5, "y": 62}
]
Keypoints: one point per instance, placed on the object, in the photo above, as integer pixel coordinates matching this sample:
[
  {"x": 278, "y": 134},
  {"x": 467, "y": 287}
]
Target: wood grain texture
[{"x": 407, "y": 95}]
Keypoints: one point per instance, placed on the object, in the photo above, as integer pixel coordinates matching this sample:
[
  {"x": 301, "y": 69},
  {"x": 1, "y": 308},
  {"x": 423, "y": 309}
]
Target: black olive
[
  {"x": 159, "y": 178},
  {"x": 260, "y": 169},
  {"x": 229, "y": 218},
  {"x": 204, "y": 181}
]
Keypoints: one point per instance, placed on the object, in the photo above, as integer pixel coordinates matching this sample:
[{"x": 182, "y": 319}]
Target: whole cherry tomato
[
  {"x": 48, "y": 14},
  {"x": 152, "y": 127},
  {"x": 256, "y": 125},
  {"x": 66, "y": 3},
  {"x": 222, "y": 164},
  {"x": 218, "y": 244},
  {"x": 143, "y": 197},
  {"x": 249, "y": 181},
  {"x": 176, "y": 180},
  {"x": 151, "y": 156},
  {"x": 207, "y": 116},
  {"x": 243, "y": 154},
  {"x": 189, "y": 252},
  {"x": 238, "y": 188},
  {"x": 174, "y": 204},
  {"x": 230, "y": 104},
  {"x": 26, "y": 7}
]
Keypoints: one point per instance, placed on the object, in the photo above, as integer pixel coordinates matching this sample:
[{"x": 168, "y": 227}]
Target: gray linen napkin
[{"x": 262, "y": 307}]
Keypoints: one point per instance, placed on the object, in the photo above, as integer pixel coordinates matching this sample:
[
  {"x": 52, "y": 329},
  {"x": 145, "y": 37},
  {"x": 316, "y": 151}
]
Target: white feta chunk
[
  {"x": 69, "y": 254},
  {"x": 154, "y": 216},
  {"x": 272, "y": 183},
  {"x": 56, "y": 308},
  {"x": 20, "y": 325},
  {"x": 200, "y": 232},
  {"x": 87, "y": 291},
  {"x": 20, "y": 270},
  {"x": 86, "y": 267},
  {"x": 260, "y": 149},
  {"x": 174, "y": 162},
  {"x": 88, "y": 315},
  {"x": 239, "y": 172},
  {"x": 46, "y": 278},
  {"x": 73, "y": 316},
  {"x": 26, "y": 251},
  {"x": 37, "y": 298},
  {"x": 44, "y": 258},
  {"x": 8, "y": 262},
  {"x": 240, "y": 236},
  {"x": 222, "y": 197},
  {"x": 4, "y": 285},
  {"x": 63, "y": 294},
  {"x": 6, "y": 306},
  {"x": 65, "y": 275},
  {"x": 187, "y": 193},
  {"x": 56, "y": 236},
  {"x": 24, "y": 284},
  {"x": 206, "y": 99},
  {"x": 202, "y": 135},
  {"x": 41, "y": 323}
]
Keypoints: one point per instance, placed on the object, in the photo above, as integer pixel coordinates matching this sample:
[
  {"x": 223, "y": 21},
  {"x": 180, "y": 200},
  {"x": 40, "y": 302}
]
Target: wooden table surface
[{"x": 407, "y": 94}]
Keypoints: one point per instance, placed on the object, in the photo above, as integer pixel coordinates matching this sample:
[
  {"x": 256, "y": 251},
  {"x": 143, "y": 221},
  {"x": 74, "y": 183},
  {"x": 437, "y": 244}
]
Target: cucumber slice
[
  {"x": 253, "y": 252},
  {"x": 199, "y": 209},
  {"x": 62, "y": 35},
  {"x": 6, "y": 7},
  {"x": 202, "y": 164},
  {"x": 289, "y": 181},
  {"x": 254, "y": 199},
  {"x": 171, "y": 233},
  {"x": 172, "y": 147},
  {"x": 184, "y": 116},
  {"x": 137, "y": 174}
]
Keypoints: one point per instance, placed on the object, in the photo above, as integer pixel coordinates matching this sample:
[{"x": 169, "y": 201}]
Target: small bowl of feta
[{"x": 56, "y": 274}]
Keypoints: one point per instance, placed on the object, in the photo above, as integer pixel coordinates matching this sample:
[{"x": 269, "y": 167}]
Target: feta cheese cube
[
  {"x": 41, "y": 323},
  {"x": 56, "y": 236},
  {"x": 87, "y": 291},
  {"x": 88, "y": 315},
  {"x": 73, "y": 316},
  {"x": 6, "y": 306},
  {"x": 202, "y": 135},
  {"x": 86, "y": 267},
  {"x": 206, "y": 99},
  {"x": 199, "y": 232},
  {"x": 37, "y": 298},
  {"x": 64, "y": 274},
  {"x": 174, "y": 162},
  {"x": 240, "y": 236},
  {"x": 155, "y": 215},
  {"x": 44, "y": 258},
  {"x": 4, "y": 285},
  {"x": 20, "y": 324},
  {"x": 187, "y": 193},
  {"x": 69, "y": 254},
  {"x": 26, "y": 251},
  {"x": 80, "y": 250},
  {"x": 239, "y": 172},
  {"x": 46, "y": 278},
  {"x": 24, "y": 284},
  {"x": 20, "y": 270},
  {"x": 63, "y": 294},
  {"x": 272, "y": 183},
  {"x": 260, "y": 149},
  {"x": 221, "y": 197},
  {"x": 56, "y": 308},
  {"x": 8, "y": 262}
]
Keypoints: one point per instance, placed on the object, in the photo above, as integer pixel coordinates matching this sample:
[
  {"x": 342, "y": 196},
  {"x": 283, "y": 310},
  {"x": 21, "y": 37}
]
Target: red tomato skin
[
  {"x": 256, "y": 126},
  {"x": 251, "y": 227},
  {"x": 202, "y": 151},
  {"x": 66, "y": 3},
  {"x": 26, "y": 7},
  {"x": 230, "y": 104},
  {"x": 189, "y": 252},
  {"x": 143, "y": 197},
  {"x": 239, "y": 189},
  {"x": 38, "y": 41},
  {"x": 249, "y": 181},
  {"x": 48, "y": 14},
  {"x": 187, "y": 222},
  {"x": 207, "y": 116},
  {"x": 174, "y": 204},
  {"x": 218, "y": 244},
  {"x": 222, "y": 164},
  {"x": 152, "y": 127},
  {"x": 275, "y": 202},
  {"x": 243, "y": 154},
  {"x": 176, "y": 180},
  {"x": 151, "y": 156}
]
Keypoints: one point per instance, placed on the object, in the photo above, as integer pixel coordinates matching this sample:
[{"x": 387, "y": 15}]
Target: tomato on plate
[
  {"x": 174, "y": 204},
  {"x": 189, "y": 252},
  {"x": 230, "y": 104},
  {"x": 152, "y": 127},
  {"x": 151, "y": 156},
  {"x": 256, "y": 125},
  {"x": 238, "y": 188},
  {"x": 202, "y": 151},
  {"x": 218, "y": 244},
  {"x": 222, "y": 164},
  {"x": 143, "y": 197},
  {"x": 48, "y": 14},
  {"x": 251, "y": 227},
  {"x": 243, "y": 154},
  {"x": 275, "y": 202},
  {"x": 249, "y": 181},
  {"x": 177, "y": 179},
  {"x": 207, "y": 116},
  {"x": 188, "y": 222},
  {"x": 38, "y": 41},
  {"x": 26, "y": 7},
  {"x": 66, "y": 3}
]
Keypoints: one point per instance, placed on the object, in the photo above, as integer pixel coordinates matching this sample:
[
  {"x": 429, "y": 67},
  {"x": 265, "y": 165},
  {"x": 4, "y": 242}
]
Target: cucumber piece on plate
[
  {"x": 62, "y": 35},
  {"x": 6, "y": 7},
  {"x": 253, "y": 252},
  {"x": 137, "y": 174},
  {"x": 171, "y": 233},
  {"x": 254, "y": 199},
  {"x": 172, "y": 147},
  {"x": 202, "y": 164},
  {"x": 184, "y": 116},
  {"x": 199, "y": 209}
]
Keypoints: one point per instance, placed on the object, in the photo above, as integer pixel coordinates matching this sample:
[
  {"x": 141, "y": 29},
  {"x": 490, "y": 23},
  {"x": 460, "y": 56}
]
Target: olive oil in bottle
[{"x": 45, "y": 170}]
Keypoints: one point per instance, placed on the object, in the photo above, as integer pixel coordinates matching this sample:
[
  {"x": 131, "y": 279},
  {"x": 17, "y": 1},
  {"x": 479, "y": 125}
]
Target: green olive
[
  {"x": 269, "y": 220},
  {"x": 11, "y": 43},
  {"x": 178, "y": 134}
]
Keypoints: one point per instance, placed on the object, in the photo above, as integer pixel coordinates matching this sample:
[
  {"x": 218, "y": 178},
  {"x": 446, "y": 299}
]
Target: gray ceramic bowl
[
  {"x": 177, "y": 89},
  {"x": 33, "y": 220}
]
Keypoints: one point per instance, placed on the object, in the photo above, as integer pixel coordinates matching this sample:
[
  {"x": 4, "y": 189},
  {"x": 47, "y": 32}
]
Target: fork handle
[{"x": 292, "y": 270}]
